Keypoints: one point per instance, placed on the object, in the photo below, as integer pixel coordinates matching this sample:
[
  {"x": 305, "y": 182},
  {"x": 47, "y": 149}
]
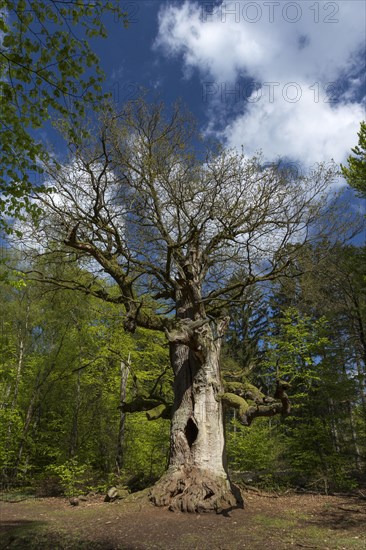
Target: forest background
[{"x": 67, "y": 365}]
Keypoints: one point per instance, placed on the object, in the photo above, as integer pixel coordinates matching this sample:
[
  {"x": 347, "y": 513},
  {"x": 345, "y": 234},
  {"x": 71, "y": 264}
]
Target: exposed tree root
[{"x": 190, "y": 489}]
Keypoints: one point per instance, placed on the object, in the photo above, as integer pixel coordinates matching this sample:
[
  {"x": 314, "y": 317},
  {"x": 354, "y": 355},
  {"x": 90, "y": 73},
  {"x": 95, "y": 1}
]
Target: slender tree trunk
[
  {"x": 358, "y": 459},
  {"x": 197, "y": 478},
  {"x": 19, "y": 369},
  {"x": 74, "y": 436},
  {"x": 32, "y": 407},
  {"x": 334, "y": 428},
  {"x": 361, "y": 384},
  {"x": 23, "y": 330},
  {"x": 125, "y": 370},
  {"x": 26, "y": 427}
]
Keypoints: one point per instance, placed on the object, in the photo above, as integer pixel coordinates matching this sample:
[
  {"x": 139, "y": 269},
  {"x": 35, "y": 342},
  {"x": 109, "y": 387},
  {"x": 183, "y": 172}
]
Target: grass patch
[
  {"x": 297, "y": 528},
  {"x": 17, "y": 495},
  {"x": 275, "y": 523}
]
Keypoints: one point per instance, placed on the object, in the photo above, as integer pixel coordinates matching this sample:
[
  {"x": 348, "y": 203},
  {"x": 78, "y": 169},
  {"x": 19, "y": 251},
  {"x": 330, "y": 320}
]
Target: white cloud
[
  {"x": 306, "y": 130},
  {"x": 308, "y": 44}
]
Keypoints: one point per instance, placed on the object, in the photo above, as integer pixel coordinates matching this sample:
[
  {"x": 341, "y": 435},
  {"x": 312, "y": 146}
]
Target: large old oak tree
[{"x": 181, "y": 236}]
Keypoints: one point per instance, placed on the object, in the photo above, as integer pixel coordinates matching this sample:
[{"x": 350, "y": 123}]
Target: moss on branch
[
  {"x": 161, "y": 411},
  {"x": 154, "y": 408},
  {"x": 261, "y": 405},
  {"x": 245, "y": 390},
  {"x": 235, "y": 402},
  {"x": 140, "y": 404}
]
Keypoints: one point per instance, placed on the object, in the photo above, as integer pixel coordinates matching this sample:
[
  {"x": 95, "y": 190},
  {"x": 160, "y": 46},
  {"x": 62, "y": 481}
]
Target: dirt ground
[{"x": 267, "y": 522}]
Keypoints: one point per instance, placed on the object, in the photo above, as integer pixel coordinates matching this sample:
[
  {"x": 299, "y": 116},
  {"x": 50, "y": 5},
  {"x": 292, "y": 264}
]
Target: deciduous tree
[{"x": 182, "y": 236}]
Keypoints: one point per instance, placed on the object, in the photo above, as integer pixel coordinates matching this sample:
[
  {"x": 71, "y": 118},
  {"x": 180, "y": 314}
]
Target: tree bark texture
[{"x": 197, "y": 479}]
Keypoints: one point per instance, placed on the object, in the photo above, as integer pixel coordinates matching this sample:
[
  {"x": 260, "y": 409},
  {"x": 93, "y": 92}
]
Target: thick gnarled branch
[
  {"x": 251, "y": 403},
  {"x": 154, "y": 408}
]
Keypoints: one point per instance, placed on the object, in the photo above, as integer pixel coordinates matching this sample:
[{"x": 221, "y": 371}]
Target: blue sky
[{"x": 284, "y": 77}]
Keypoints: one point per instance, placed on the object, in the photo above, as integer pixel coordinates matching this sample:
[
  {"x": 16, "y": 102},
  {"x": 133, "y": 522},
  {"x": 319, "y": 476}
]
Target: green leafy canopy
[{"x": 47, "y": 67}]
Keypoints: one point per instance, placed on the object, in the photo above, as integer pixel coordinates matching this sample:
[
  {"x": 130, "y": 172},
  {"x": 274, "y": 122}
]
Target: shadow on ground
[
  {"x": 31, "y": 535},
  {"x": 345, "y": 516}
]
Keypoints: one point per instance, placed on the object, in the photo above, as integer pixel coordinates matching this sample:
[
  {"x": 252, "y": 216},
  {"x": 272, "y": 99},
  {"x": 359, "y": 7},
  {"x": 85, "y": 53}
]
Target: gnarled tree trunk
[{"x": 197, "y": 478}]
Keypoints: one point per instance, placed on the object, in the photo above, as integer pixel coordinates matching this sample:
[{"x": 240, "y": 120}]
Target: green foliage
[
  {"x": 71, "y": 475},
  {"x": 355, "y": 173},
  {"x": 46, "y": 68},
  {"x": 11, "y": 425},
  {"x": 312, "y": 337},
  {"x": 314, "y": 461},
  {"x": 295, "y": 347},
  {"x": 60, "y": 376},
  {"x": 147, "y": 445},
  {"x": 258, "y": 447},
  {"x": 319, "y": 434}
]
